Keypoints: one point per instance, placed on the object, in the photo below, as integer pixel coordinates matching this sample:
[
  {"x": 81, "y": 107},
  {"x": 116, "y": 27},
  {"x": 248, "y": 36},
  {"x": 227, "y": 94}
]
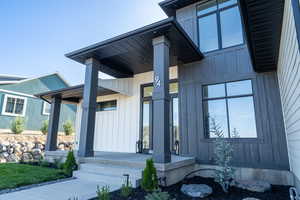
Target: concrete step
[
  {"x": 113, "y": 170},
  {"x": 117, "y": 162},
  {"x": 115, "y": 180}
]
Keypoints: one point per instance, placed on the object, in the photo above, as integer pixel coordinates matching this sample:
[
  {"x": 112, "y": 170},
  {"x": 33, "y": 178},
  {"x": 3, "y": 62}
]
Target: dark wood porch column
[
  {"x": 51, "y": 143},
  {"x": 86, "y": 142},
  {"x": 161, "y": 101}
]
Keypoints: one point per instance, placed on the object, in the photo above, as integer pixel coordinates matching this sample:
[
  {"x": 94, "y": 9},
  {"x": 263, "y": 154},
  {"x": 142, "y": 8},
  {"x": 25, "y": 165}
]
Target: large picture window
[
  {"x": 219, "y": 25},
  {"x": 231, "y": 107},
  {"x": 14, "y": 105}
]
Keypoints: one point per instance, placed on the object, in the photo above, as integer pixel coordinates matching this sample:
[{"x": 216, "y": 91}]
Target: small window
[
  {"x": 14, "y": 105},
  {"x": 230, "y": 105},
  {"x": 148, "y": 90},
  {"x": 107, "y": 105},
  {"x": 46, "y": 108}
]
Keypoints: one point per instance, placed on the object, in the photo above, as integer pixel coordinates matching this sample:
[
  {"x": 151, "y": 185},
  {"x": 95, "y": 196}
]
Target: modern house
[
  {"x": 17, "y": 99},
  {"x": 233, "y": 62}
]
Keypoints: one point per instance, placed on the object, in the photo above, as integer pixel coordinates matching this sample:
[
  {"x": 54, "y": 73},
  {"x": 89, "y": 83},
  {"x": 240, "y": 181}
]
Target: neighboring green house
[{"x": 17, "y": 99}]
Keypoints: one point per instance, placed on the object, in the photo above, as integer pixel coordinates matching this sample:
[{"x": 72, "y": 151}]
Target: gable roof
[
  {"x": 12, "y": 79},
  {"x": 45, "y": 75},
  {"x": 37, "y": 84},
  {"x": 262, "y": 23}
]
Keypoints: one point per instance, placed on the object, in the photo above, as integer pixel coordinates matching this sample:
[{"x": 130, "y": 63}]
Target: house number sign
[{"x": 156, "y": 81}]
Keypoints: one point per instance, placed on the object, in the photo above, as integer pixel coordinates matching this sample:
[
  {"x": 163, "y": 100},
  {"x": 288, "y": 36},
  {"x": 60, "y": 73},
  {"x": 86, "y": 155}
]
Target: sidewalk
[{"x": 80, "y": 188}]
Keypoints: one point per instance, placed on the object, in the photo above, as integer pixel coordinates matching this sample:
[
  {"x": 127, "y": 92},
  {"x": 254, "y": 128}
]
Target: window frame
[
  {"x": 6, "y": 96},
  {"x": 44, "y": 108},
  {"x": 114, "y": 109},
  {"x": 149, "y": 98},
  {"x": 245, "y": 139},
  {"x": 219, "y": 28}
]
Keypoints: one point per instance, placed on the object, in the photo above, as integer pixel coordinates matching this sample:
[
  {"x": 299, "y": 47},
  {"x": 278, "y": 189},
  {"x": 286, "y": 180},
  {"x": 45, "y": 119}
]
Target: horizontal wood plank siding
[{"x": 289, "y": 84}]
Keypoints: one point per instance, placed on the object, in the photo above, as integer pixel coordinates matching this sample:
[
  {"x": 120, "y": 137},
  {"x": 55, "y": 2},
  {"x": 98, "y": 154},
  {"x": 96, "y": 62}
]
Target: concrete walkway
[{"x": 81, "y": 188}]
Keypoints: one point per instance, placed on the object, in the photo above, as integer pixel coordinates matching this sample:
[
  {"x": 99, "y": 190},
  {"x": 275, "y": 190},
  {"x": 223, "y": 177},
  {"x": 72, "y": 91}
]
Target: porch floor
[{"x": 134, "y": 160}]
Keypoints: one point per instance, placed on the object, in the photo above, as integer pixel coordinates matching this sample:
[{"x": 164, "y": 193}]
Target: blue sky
[{"x": 36, "y": 34}]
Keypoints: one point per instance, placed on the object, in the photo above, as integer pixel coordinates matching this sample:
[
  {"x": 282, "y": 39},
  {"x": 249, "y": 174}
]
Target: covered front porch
[{"x": 152, "y": 48}]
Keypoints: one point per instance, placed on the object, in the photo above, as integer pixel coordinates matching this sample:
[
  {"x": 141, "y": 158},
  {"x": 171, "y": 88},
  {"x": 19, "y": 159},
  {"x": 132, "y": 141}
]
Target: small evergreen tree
[
  {"x": 44, "y": 128},
  {"x": 149, "y": 177},
  {"x": 70, "y": 164},
  {"x": 223, "y": 154},
  {"x": 68, "y": 127},
  {"x": 18, "y": 125}
]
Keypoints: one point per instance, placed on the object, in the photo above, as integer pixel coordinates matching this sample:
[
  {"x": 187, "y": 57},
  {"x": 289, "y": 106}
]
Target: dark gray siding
[{"x": 269, "y": 150}]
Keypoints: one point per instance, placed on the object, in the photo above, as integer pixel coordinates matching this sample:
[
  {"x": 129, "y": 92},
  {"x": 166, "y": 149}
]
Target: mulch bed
[{"x": 277, "y": 192}]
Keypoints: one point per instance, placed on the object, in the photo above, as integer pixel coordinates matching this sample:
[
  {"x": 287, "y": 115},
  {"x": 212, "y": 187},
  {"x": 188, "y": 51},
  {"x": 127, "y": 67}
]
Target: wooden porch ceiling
[
  {"x": 132, "y": 53},
  {"x": 262, "y": 23},
  {"x": 71, "y": 94}
]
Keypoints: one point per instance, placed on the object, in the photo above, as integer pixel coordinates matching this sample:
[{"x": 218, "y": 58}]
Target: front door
[{"x": 147, "y": 120}]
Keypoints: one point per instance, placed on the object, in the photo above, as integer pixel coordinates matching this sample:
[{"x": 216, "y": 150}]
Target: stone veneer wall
[{"x": 14, "y": 148}]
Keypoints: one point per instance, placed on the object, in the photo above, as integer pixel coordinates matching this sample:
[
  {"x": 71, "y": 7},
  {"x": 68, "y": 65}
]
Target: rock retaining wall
[{"x": 26, "y": 147}]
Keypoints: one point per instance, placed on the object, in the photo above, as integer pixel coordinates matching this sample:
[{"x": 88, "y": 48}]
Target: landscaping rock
[
  {"x": 26, "y": 157},
  {"x": 196, "y": 190},
  {"x": 253, "y": 186},
  {"x": 14, "y": 148}
]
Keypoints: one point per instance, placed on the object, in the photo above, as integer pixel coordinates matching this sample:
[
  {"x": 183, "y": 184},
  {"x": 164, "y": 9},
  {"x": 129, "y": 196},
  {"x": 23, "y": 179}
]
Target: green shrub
[
  {"x": 58, "y": 163},
  {"x": 44, "y": 128},
  {"x": 45, "y": 163},
  {"x": 126, "y": 189},
  {"x": 68, "y": 127},
  {"x": 223, "y": 155},
  {"x": 103, "y": 193},
  {"x": 158, "y": 195},
  {"x": 149, "y": 179},
  {"x": 18, "y": 125},
  {"x": 70, "y": 165}
]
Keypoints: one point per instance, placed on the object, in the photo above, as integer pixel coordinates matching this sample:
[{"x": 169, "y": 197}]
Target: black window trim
[
  {"x": 100, "y": 102},
  {"x": 217, "y": 12},
  {"x": 229, "y": 138},
  {"x": 142, "y": 99}
]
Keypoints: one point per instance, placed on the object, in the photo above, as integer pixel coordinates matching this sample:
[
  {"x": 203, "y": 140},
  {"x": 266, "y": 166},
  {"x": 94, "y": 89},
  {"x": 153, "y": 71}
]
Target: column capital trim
[{"x": 160, "y": 39}]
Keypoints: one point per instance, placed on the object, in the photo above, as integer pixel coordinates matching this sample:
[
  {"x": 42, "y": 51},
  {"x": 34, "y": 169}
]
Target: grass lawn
[{"x": 15, "y": 175}]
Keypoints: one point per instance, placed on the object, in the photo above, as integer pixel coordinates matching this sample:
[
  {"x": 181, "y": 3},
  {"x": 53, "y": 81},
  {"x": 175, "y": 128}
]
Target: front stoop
[
  {"x": 111, "y": 169},
  {"x": 108, "y": 173}
]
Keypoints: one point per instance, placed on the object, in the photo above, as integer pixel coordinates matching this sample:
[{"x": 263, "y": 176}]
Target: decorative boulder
[
  {"x": 37, "y": 154},
  {"x": 13, "y": 158},
  {"x": 26, "y": 157},
  {"x": 253, "y": 186},
  {"x": 196, "y": 190}
]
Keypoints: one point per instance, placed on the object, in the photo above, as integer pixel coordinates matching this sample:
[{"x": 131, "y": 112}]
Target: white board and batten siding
[
  {"x": 118, "y": 130},
  {"x": 289, "y": 84}
]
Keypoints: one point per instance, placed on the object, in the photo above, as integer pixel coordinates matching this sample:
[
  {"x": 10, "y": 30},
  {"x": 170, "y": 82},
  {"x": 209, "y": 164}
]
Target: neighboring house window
[
  {"x": 14, "y": 105},
  {"x": 219, "y": 25},
  {"x": 107, "y": 105},
  {"x": 231, "y": 106},
  {"x": 46, "y": 108}
]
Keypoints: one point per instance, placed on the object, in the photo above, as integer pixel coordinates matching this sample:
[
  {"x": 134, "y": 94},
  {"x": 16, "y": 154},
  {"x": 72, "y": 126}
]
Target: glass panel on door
[{"x": 147, "y": 123}]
